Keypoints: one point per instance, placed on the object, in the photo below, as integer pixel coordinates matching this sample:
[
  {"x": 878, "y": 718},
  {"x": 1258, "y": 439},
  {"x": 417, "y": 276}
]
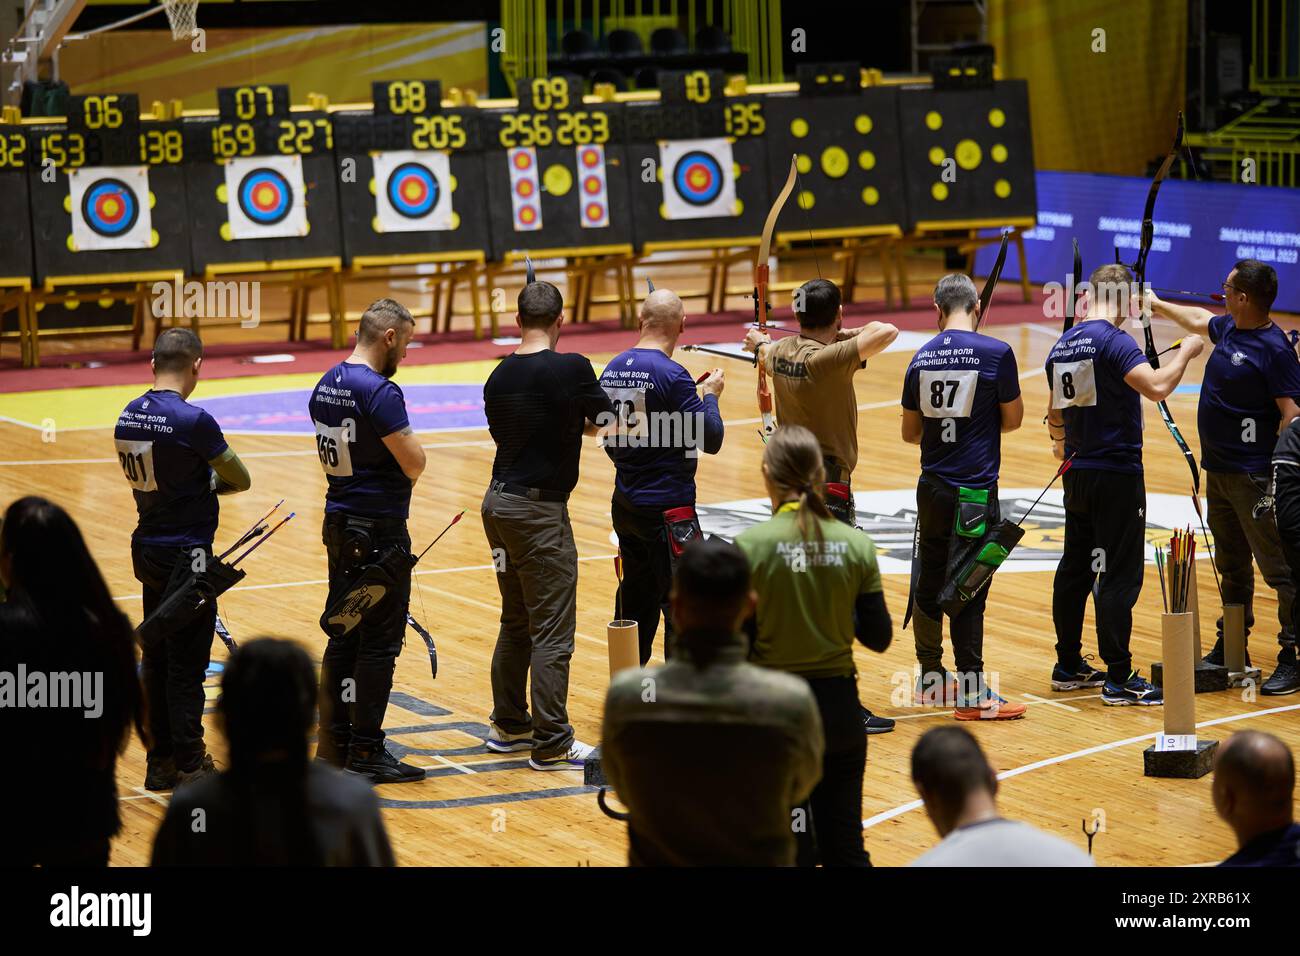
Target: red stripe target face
[
  {"x": 525, "y": 189},
  {"x": 592, "y": 186}
]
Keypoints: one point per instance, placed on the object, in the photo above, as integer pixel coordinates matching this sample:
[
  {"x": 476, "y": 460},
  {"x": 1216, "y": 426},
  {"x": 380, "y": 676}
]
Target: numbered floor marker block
[
  {"x": 411, "y": 178},
  {"x": 967, "y": 155},
  {"x": 846, "y": 150}
]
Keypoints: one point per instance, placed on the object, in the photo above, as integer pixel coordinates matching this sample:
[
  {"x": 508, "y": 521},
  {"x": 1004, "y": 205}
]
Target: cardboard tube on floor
[
  {"x": 1178, "y": 661},
  {"x": 1234, "y": 637},
  {"x": 624, "y": 646}
]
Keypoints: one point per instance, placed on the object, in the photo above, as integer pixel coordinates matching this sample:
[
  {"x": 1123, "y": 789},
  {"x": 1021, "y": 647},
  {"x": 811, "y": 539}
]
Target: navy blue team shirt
[
  {"x": 354, "y": 408},
  {"x": 1247, "y": 370},
  {"x": 660, "y": 471},
  {"x": 966, "y": 377},
  {"x": 1102, "y": 412},
  {"x": 164, "y": 445}
]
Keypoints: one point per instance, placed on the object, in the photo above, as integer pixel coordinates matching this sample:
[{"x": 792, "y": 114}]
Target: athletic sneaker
[
  {"x": 1215, "y": 656},
  {"x": 206, "y": 768},
  {"x": 380, "y": 766},
  {"x": 1284, "y": 680},
  {"x": 988, "y": 706},
  {"x": 936, "y": 689},
  {"x": 1134, "y": 690},
  {"x": 160, "y": 774},
  {"x": 871, "y": 724},
  {"x": 504, "y": 743},
  {"x": 574, "y": 759},
  {"x": 1077, "y": 678}
]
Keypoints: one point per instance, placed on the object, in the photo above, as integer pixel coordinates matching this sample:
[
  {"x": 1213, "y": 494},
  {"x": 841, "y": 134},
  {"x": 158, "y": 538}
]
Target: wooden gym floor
[{"x": 1070, "y": 759}]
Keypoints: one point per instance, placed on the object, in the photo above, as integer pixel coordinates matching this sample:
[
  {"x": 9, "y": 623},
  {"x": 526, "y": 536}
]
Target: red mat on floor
[{"x": 234, "y": 359}]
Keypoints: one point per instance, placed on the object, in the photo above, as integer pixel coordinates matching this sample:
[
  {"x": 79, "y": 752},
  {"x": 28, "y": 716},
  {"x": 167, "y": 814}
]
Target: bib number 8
[{"x": 1073, "y": 384}]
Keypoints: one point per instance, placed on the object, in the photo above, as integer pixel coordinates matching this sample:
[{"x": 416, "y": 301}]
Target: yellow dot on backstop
[
  {"x": 663, "y": 211},
  {"x": 225, "y": 231},
  {"x": 806, "y": 199},
  {"x": 871, "y": 195},
  {"x": 67, "y": 204},
  {"x": 222, "y": 195},
  {"x": 306, "y": 228},
  {"x": 455, "y": 220},
  {"x": 72, "y": 244},
  {"x": 71, "y": 302},
  {"x": 557, "y": 179},
  {"x": 867, "y": 159},
  {"x": 737, "y": 208},
  {"x": 376, "y": 225},
  {"x": 939, "y": 191},
  {"x": 154, "y": 238},
  {"x": 835, "y": 162},
  {"x": 968, "y": 154},
  {"x": 374, "y": 190},
  {"x": 799, "y": 127},
  {"x": 40, "y": 306},
  {"x": 937, "y": 155},
  {"x": 999, "y": 153},
  {"x": 933, "y": 120},
  {"x": 803, "y": 164},
  {"x": 153, "y": 200},
  {"x": 105, "y": 301},
  {"x": 862, "y": 123},
  {"x": 659, "y": 173},
  {"x": 1002, "y": 188},
  {"x": 997, "y": 118},
  {"x": 735, "y": 170},
  {"x": 451, "y": 182}
]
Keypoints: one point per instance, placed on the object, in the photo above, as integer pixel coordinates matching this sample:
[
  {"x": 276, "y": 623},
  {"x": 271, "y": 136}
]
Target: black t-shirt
[{"x": 537, "y": 405}]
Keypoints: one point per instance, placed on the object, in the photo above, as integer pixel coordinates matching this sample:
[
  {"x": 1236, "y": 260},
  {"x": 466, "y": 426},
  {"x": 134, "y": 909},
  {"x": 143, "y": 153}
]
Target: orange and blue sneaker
[{"x": 987, "y": 706}]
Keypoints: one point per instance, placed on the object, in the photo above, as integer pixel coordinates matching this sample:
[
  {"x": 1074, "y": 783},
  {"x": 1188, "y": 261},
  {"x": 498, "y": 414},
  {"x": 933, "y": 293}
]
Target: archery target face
[
  {"x": 110, "y": 207},
  {"x": 593, "y": 190},
  {"x": 412, "y": 191},
  {"x": 525, "y": 189},
  {"x": 265, "y": 197},
  {"x": 698, "y": 178}
]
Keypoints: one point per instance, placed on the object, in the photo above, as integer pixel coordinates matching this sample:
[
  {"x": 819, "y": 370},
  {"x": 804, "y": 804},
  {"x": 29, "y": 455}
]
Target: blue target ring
[
  {"x": 413, "y": 190},
  {"x": 698, "y": 178},
  {"x": 265, "y": 196},
  {"x": 110, "y": 207}
]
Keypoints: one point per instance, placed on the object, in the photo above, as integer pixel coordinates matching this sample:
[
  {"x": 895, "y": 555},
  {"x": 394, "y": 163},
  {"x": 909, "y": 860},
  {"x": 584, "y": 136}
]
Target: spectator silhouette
[{"x": 273, "y": 807}]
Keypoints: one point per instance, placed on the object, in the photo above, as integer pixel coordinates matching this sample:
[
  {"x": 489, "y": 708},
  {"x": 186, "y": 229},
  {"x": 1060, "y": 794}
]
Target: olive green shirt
[{"x": 806, "y": 592}]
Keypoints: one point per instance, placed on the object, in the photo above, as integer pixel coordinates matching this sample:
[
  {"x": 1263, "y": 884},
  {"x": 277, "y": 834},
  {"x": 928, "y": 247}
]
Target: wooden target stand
[
  {"x": 301, "y": 277},
  {"x": 15, "y": 297},
  {"x": 131, "y": 287},
  {"x": 454, "y": 270},
  {"x": 714, "y": 255},
  {"x": 582, "y": 264},
  {"x": 925, "y": 236}
]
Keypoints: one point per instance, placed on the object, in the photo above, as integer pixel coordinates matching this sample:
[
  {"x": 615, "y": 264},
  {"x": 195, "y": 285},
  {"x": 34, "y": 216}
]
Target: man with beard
[{"x": 372, "y": 460}]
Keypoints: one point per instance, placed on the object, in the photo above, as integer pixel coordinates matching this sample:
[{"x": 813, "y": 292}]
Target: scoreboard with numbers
[
  {"x": 107, "y": 191},
  {"x": 556, "y": 170},
  {"x": 262, "y": 181},
  {"x": 411, "y": 174},
  {"x": 16, "y": 249}
]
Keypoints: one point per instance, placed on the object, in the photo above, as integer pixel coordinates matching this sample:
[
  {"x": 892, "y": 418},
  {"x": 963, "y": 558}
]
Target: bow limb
[
  {"x": 761, "y": 306},
  {"x": 986, "y": 295}
]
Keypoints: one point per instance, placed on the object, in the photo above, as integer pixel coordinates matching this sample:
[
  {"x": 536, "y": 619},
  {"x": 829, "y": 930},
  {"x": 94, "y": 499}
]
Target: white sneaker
[
  {"x": 504, "y": 743},
  {"x": 575, "y": 759}
]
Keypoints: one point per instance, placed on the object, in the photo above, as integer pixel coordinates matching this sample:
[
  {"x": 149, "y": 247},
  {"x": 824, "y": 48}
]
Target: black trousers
[
  {"x": 832, "y": 835},
  {"x": 647, "y": 572},
  {"x": 1105, "y": 534},
  {"x": 1287, "y": 512},
  {"x": 173, "y": 665},
  {"x": 357, "y": 668},
  {"x": 936, "y": 505}
]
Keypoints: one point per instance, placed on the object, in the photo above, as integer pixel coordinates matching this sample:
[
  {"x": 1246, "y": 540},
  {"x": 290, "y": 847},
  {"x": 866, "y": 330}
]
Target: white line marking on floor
[
  {"x": 1086, "y": 752},
  {"x": 143, "y": 794},
  {"x": 1034, "y": 699}
]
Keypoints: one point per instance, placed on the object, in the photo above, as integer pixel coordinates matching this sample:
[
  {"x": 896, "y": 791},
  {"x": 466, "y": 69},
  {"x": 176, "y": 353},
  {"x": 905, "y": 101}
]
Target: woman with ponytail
[{"x": 818, "y": 590}]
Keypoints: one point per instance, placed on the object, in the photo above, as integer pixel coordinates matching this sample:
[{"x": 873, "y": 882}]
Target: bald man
[
  {"x": 663, "y": 420},
  {"x": 1254, "y": 790}
]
